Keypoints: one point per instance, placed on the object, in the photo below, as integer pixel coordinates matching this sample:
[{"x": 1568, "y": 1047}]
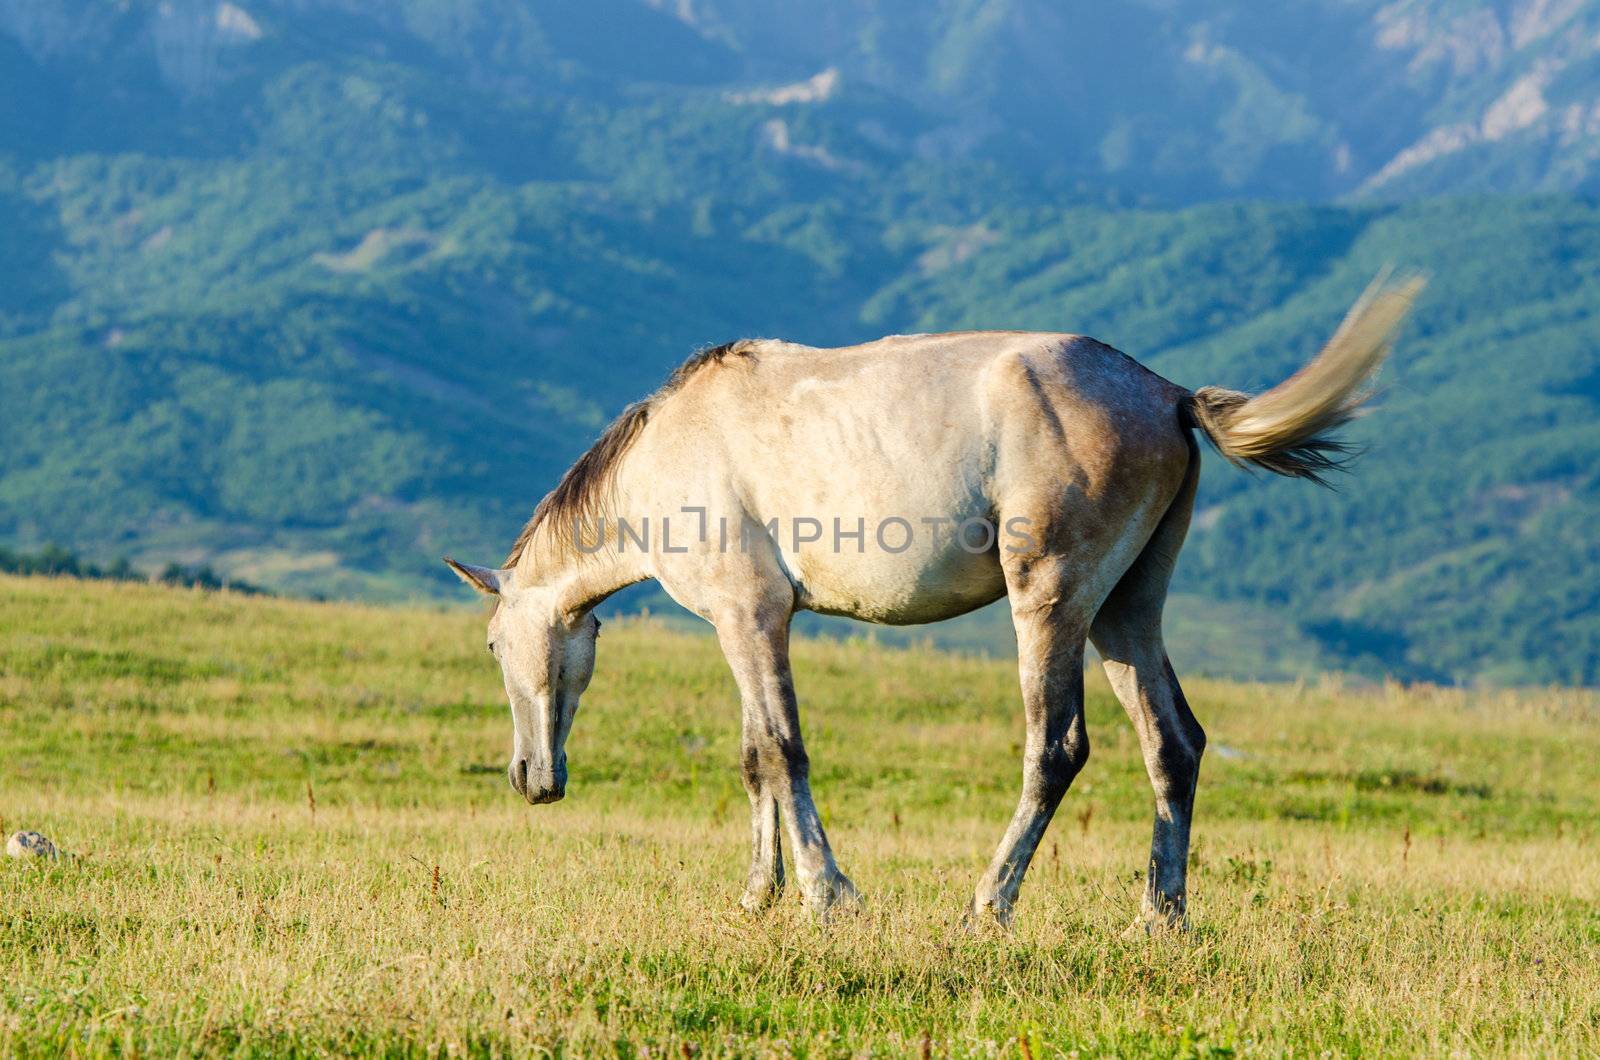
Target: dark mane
[{"x": 579, "y": 496}]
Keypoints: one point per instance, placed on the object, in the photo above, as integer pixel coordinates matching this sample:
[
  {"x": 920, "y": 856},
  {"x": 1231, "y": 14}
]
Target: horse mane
[{"x": 580, "y": 496}]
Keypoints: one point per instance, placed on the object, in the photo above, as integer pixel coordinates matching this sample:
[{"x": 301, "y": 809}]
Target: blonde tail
[{"x": 1288, "y": 429}]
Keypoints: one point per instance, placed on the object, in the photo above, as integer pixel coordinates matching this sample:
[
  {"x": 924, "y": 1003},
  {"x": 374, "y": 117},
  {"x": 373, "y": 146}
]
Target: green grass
[{"x": 292, "y": 834}]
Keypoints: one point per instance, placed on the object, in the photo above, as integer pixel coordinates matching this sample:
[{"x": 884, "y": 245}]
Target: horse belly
[{"x": 909, "y": 588}]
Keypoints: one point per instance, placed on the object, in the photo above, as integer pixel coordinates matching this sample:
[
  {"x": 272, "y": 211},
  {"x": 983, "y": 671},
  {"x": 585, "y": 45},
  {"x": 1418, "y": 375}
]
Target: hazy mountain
[
  {"x": 1222, "y": 97},
  {"x": 1179, "y": 102}
]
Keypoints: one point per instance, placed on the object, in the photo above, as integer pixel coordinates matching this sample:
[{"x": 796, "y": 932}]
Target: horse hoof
[
  {"x": 986, "y": 916},
  {"x": 1153, "y": 924},
  {"x": 758, "y": 901},
  {"x": 1159, "y": 919},
  {"x": 834, "y": 896}
]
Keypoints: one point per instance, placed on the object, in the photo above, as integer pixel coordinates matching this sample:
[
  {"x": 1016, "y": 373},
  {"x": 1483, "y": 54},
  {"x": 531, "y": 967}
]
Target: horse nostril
[
  {"x": 519, "y": 776},
  {"x": 546, "y": 793}
]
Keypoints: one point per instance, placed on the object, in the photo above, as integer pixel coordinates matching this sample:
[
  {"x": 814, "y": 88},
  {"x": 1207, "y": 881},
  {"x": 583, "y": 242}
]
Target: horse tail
[{"x": 1288, "y": 429}]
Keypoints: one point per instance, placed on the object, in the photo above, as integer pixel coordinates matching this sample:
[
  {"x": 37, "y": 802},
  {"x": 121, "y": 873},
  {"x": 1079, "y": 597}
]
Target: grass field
[{"x": 292, "y": 833}]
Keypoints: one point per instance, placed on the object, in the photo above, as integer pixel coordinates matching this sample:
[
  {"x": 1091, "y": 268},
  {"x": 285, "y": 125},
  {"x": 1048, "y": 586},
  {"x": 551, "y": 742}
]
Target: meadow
[{"x": 290, "y": 832}]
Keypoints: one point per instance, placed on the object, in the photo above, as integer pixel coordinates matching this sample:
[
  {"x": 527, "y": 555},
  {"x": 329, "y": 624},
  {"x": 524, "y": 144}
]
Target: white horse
[{"x": 910, "y": 480}]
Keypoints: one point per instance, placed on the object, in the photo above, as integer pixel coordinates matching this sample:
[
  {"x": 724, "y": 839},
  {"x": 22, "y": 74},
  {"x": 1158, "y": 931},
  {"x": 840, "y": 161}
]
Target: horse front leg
[{"x": 776, "y": 765}]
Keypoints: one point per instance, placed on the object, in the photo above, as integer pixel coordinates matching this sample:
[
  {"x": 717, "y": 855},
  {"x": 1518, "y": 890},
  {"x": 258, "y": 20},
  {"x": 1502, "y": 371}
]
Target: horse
[{"x": 953, "y": 469}]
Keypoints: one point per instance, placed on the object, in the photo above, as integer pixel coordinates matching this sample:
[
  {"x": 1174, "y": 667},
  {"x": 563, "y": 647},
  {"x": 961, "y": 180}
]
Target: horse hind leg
[
  {"x": 1055, "y": 593},
  {"x": 1127, "y": 633},
  {"x": 1050, "y": 626}
]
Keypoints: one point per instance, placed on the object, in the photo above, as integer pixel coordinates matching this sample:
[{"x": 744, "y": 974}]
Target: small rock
[{"x": 31, "y": 845}]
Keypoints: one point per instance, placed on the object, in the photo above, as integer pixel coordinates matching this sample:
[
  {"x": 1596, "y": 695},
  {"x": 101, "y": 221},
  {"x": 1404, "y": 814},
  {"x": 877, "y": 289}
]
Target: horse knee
[
  {"x": 791, "y": 753},
  {"x": 771, "y": 756},
  {"x": 1059, "y": 765},
  {"x": 750, "y": 767}
]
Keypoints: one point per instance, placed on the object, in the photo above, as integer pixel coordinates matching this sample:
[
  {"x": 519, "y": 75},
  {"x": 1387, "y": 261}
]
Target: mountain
[
  {"x": 314, "y": 291},
  {"x": 1308, "y": 98},
  {"x": 1169, "y": 103}
]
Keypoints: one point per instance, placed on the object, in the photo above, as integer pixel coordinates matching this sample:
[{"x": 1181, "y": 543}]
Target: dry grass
[{"x": 292, "y": 835}]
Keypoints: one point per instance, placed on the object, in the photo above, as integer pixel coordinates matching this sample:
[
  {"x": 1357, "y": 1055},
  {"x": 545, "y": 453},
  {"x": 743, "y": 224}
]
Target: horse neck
[{"x": 585, "y": 576}]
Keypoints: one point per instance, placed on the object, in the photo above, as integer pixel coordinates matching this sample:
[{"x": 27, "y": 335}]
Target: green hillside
[
  {"x": 415, "y": 378},
  {"x": 315, "y": 294}
]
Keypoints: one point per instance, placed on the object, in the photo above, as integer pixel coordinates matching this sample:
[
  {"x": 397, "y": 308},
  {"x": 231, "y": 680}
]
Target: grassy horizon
[{"x": 291, "y": 833}]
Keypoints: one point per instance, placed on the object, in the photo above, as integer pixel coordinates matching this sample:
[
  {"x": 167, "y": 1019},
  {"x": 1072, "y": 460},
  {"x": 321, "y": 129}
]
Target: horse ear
[{"x": 484, "y": 579}]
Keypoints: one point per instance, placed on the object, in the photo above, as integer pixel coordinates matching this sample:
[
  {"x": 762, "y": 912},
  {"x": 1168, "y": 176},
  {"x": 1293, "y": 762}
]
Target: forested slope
[{"x": 316, "y": 292}]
